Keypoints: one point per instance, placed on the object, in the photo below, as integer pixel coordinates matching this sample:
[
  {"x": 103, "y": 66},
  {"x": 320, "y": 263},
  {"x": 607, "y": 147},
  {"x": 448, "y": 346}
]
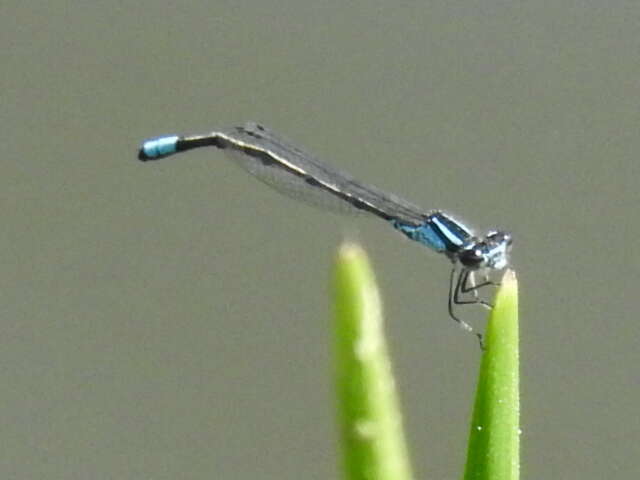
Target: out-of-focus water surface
[{"x": 171, "y": 320}]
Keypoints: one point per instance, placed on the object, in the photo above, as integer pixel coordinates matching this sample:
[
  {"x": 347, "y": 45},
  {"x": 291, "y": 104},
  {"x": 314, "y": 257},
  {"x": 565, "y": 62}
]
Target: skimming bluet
[{"x": 296, "y": 173}]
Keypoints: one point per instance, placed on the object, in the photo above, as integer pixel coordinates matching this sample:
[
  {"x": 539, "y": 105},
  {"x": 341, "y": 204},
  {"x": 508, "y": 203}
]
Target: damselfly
[{"x": 300, "y": 175}]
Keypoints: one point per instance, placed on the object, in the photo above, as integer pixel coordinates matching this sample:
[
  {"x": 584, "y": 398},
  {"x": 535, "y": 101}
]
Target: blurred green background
[{"x": 170, "y": 320}]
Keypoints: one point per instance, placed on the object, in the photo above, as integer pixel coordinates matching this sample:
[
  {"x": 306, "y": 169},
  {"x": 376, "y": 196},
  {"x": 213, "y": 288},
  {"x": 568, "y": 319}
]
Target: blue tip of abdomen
[{"x": 158, "y": 147}]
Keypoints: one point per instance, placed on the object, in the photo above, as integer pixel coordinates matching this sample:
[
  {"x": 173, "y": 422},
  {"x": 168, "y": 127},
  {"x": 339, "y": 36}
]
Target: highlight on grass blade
[{"x": 372, "y": 440}]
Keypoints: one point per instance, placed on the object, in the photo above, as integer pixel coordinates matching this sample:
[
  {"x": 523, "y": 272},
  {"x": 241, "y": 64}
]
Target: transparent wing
[{"x": 298, "y": 174}]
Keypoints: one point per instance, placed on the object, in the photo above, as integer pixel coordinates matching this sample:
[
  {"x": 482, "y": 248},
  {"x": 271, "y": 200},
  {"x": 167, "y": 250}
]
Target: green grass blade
[
  {"x": 372, "y": 440},
  {"x": 494, "y": 440}
]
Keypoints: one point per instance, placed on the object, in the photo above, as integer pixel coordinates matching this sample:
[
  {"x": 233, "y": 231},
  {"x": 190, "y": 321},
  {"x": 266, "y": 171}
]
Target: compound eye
[{"x": 472, "y": 258}]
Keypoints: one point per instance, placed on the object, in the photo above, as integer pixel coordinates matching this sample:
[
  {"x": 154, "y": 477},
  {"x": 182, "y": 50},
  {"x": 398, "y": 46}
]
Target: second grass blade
[{"x": 372, "y": 440}]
